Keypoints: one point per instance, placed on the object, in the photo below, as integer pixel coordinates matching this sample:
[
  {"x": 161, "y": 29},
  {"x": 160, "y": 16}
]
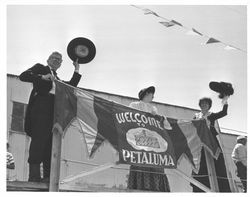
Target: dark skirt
[
  {"x": 146, "y": 178},
  {"x": 220, "y": 168}
]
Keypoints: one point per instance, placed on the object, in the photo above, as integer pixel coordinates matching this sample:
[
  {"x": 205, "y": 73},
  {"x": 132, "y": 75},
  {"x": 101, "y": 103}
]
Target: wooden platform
[
  {"x": 27, "y": 186},
  {"x": 44, "y": 187}
]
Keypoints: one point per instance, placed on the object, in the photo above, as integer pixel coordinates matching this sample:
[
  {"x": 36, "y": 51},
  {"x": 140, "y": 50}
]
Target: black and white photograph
[{"x": 130, "y": 96}]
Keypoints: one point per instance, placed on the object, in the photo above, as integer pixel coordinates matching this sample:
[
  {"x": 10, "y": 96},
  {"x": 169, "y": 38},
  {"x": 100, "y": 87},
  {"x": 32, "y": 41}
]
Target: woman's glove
[{"x": 224, "y": 100}]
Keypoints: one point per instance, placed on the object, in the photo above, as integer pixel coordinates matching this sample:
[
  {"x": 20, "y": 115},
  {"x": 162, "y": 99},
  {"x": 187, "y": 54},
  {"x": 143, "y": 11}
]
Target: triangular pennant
[
  {"x": 167, "y": 24},
  {"x": 175, "y": 22},
  {"x": 148, "y": 11},
  {"x": 194, "y": 30},
  {"x": 192, "y": 33},
  {"x": 228, "y": 47},
  {"x": 212, "y": 40}
]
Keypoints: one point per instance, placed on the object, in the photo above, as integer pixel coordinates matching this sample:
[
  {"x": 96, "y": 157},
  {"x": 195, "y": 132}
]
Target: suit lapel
[{"x": 50, "y": 71}]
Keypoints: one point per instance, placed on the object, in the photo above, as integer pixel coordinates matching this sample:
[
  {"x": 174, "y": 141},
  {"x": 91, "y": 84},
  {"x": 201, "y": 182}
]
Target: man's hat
[
  {"x": 81, "y": 48},
  {"x": 223, "y": 88},
  {"x": 143, "y": 92}
]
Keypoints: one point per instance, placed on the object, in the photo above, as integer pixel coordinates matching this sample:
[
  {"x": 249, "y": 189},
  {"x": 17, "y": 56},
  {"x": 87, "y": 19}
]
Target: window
[{"x": 18, "y": 114}]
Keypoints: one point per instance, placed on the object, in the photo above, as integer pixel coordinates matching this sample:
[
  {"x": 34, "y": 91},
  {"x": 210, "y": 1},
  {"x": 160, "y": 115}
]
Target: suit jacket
[{"x": 40, "y": 87}]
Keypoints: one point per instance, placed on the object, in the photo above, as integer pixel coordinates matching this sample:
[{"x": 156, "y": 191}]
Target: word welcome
[{"x": 137, "y": 118}]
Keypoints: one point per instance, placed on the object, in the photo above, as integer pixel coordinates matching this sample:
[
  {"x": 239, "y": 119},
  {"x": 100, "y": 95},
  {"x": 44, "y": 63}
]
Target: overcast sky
[{"x": 134, "y": 50}]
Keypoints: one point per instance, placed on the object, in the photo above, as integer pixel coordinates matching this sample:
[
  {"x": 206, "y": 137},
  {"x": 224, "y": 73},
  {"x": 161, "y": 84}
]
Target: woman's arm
[
  {"x": 218, "y": 115},
  {"x": 222, "y": 113}
]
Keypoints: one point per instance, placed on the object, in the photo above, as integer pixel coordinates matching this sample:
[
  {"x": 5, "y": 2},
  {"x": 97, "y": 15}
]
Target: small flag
[
  {"x": 228, "y": 47},
  {"x": 148, "y": 11},
  {"x": 175, "y": 22},
  {"x": 167, "y": 24},
  {"x": 136, "y": 6},
  {"x": 193, "y": 32},
  {"x": 212, "y": 40}
]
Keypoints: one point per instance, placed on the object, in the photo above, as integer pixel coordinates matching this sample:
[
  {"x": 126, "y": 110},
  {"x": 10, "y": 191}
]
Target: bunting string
[{"x": 189, "y": 31}]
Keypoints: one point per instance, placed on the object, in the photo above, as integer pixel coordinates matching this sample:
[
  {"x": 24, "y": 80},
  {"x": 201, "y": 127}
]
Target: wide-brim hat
[
  {"x": 82, "y": 49},
  {"x": 223, "y": 88},
  {"x": 143, "y": 92}
]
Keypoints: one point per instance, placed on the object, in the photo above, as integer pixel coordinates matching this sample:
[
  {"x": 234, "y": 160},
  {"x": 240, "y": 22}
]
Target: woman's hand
[
  {"x": 167, "y": 124},
  {"x": 224, "y": 100},
  {"x": 154, "y": 112}
]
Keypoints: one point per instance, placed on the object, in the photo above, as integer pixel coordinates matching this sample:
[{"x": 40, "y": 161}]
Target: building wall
[
  {"x": 74, "y": 154},
  {"x": 17, "y": 91}
]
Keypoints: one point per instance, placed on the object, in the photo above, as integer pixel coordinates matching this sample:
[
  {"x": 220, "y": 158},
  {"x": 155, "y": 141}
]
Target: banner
[
  {"x": 142, "y": 139},
  {"x": 139, "y": 137}
]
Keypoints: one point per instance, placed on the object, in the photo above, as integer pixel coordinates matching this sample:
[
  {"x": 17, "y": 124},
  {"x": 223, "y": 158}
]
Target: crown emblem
[{"x": 142, "y": 139}]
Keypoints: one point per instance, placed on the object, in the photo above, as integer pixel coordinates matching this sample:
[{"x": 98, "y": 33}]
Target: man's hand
[
  {"x": 76, "y": 65},
  {"x": 48, "y": 77}
]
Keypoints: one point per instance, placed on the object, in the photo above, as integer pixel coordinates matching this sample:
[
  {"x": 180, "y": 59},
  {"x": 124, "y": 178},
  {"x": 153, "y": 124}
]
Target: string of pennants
[{"x": 190, "y": 31}]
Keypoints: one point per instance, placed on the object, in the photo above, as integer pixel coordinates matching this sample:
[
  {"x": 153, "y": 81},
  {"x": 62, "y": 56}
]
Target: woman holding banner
[
  {"x": 148, "y": 178},
  {"x": 211, "y": 118}
]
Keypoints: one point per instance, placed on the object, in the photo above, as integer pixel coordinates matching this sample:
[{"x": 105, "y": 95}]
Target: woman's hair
[
  {"x": 207, "y": 100},
  {"x": 242, "y": 141}
]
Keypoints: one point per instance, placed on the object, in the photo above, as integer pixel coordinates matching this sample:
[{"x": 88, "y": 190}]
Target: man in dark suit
[{"x": 40, "y": 110}]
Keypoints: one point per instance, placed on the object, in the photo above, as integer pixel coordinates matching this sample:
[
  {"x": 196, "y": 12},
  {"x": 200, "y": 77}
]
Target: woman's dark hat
[
  {"x": 240, "y": 138},
  {"x": 81, "y": 48},
  {"x": 223, "y": 88},
  {"x": 143, "y": 92}
]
